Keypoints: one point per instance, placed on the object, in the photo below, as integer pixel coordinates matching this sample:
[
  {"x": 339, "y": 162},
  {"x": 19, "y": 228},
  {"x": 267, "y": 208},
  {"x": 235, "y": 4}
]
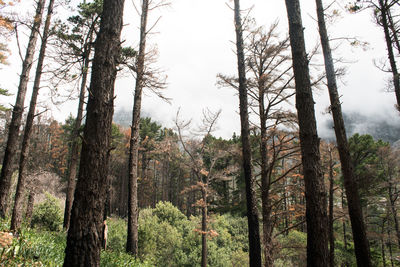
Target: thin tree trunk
[
  {"x": 74, "y": 157},
  {"x": 316, "y": 210},
  {"x": 383, "y": 244},
  {"x": 132, "y": 238},
  {"x": 84, "y": 234},
  {"x": 204, "y": 227},
  {"x": 389, "y": 244},
  {"x": 265, "y": 183},
  {"x": 20, "y": 191},
  {"x": 252, "y": 212},
  {"x": 13, "y": 132},
  {"x": 331, "y": 234},
  {"x": 361, "y": 243},
  {"x": 389, "y": 46},
  {"x": 29, "y": 206},
  {"x": 394, "y": 211}
]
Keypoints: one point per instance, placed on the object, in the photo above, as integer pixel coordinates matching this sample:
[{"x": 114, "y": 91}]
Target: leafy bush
[
  {"x": 117, "y": 232},
  {"x": 48, "y": 214}
]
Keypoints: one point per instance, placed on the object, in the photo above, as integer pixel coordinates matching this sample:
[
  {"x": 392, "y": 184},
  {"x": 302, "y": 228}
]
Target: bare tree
[
  {"x": 357, "y": 220},
  {"x": 19, "y": 195},
  {"x": 252, "y": 211},
  {"x": 18, "y": 109},
  {"x": 144, "y": 78}
]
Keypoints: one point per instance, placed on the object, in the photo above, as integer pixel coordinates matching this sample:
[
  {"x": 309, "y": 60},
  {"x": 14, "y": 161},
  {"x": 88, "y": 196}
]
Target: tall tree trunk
[
  {"x": 265, "y": 182},
  {"x": 353, "y": 200},
  {"x": 84, "y": 234},
  {"x": 389, "y": 45},
  {"x": 316, "y": 210},
  {"x": 252, "y": 212},
  {"x": 331, "y": 233},
  {"x": 132, "y": 238},
  {"x": 13, "y": 132},
  {"x": 23, "y": 160},
  {"x": 74, "y": 156}
]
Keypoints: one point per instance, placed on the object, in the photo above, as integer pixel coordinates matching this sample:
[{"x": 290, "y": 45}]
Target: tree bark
[
  {"x": 361, "y": 243},
  {"x": 316, "y": 210},
  {"x": 133, "y": 213},
  {"x": 252, "y": 212},
  {"x": 18, "y": 109},
  {"x": 74, "y": 156},
  {"x": 389, "y": 46},
  {"x": 84, "y": 234},
  {"x": 20, "y": 191},
  {"x": 331, "y": 233}
]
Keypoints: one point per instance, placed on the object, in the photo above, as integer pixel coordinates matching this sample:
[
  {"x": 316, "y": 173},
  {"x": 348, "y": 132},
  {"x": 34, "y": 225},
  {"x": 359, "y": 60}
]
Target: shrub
[{"x": 48, "y": 214}]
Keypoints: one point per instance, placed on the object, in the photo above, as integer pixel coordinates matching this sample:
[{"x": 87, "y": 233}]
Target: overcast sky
[{"x": 194, "y": 39}]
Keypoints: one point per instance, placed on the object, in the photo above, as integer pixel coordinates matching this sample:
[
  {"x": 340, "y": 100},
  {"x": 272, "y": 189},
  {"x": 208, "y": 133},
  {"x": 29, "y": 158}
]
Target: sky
[{"x": 195, "y": 43}]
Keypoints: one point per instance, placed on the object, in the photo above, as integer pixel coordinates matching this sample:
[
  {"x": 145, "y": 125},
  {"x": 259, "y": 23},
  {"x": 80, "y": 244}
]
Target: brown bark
[
  {"x": 84, "y": 234},
  {"x": 331, "y": 233},
  {"x": 20, "y": 191},
  {"x": 361, "y": 243},
  {"x": 316, "y": 210},
  {"x": 389, "y": 46},
  {"x": 74, "y": 156},
  {"x": 252, "y": 212},
  {"x": 133, "y": 213},
  {"x": 18, "y": 109}
]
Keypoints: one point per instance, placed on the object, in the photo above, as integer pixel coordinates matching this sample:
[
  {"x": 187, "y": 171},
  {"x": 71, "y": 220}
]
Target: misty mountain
[{"x": 380, "y": 127}]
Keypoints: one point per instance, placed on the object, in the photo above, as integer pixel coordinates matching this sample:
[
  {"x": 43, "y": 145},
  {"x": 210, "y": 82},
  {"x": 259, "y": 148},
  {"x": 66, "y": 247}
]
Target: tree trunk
[
  {"x": 389, "y": 46},
  {"x": 393, "y": 210},
  {"x": 132, "y": 238},
  {"x": 204, "y": 227},
  {"x": 29, "y": 207},
  {"x": 74, "y": 156},
  {"x": 383, "y": 243},
  {"x": 20, "y": 191},
  {"x": 353, "y": 200},
  {"x": 316, "y": 210},
  {"x": 252, "y": 212},
  {"x": 13, "y": 132},
  {"x": 331, "y": 233},
  {"x": 84, "y": 234}
]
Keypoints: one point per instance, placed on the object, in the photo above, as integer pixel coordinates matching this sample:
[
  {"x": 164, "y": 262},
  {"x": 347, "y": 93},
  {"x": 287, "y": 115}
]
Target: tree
[
  {"x": 13, "y": 133},
  {"x": 19, "y": 195},
  {"x": 76, "y": 46},
  {"x": 252, "y": 212},
  {"x": 144, "y": 78},
  {"x": 84, "y": 234},
  {"x": 356, "y": 216},
  {"x": 316, "y": 210}
]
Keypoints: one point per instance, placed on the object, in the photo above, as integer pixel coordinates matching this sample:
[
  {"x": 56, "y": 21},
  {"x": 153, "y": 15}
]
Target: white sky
[{"x": 194, "y": 41}]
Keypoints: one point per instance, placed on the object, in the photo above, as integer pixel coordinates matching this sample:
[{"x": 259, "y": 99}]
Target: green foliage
[
  {"x": 35, "y": 246},
  {"x": 48, "y": 214},
  {"x": 293, "y": 249},
  {"x": 120, "y": 259},
  {"x": 168, "y": 238},
  {"x": 116, "y": 234}
]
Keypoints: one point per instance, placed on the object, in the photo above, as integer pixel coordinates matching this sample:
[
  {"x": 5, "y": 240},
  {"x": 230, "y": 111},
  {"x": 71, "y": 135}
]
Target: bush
[{"x": 48, "y": 214}]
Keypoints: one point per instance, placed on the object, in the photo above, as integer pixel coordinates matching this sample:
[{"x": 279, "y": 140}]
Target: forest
[{"x": 261, "y": 172}]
